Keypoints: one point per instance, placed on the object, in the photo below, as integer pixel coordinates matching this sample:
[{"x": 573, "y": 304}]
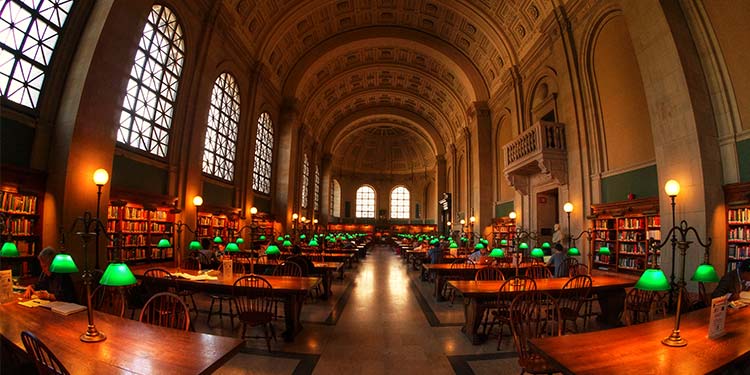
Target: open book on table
[{"x": 64, "y": 308}]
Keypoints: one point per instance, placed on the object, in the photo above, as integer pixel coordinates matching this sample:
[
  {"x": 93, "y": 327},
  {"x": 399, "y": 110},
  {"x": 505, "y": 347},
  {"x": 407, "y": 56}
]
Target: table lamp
[
  {"x": 537, "y": 253},
  {"x": 272, "y": 249},
  {"x": 9, "y": 249},
  {"x": 497, "y": 253},
  {"x": 232, "y": 248},
  {"x": 194, "y": 245}
]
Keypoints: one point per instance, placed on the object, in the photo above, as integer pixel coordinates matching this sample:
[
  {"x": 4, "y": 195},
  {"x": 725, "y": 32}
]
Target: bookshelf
[
  {"x": 503, "y": 228},
  {"x": 140, "y": 228},
  {"x": 737, "y": 197},
  {"x": 625, "y": 228},
  {"x": 20, "y": 213},
  {"x": 215, "y": 224}
]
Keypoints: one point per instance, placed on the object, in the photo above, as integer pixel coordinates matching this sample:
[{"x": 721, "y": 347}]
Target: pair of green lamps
[{"x": 116, "y": 274}]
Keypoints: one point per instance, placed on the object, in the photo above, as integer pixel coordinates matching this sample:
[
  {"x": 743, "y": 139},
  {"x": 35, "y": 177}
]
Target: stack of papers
[
  {"x": 36, "y": 302},
  {"x": 199, "y": 277},
  {"x": 64, "y": 308}
]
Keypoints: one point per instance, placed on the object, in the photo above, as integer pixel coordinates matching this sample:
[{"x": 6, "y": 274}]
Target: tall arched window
[
  {"x": 263, "y": 154},
  {"x": 29, "y": 31},
  {"x": 317, "y": 188},
  {"x": 305, "y": 180},
  {"x": 221, "y": 132},
  {"x": 365, "y": 202},
  {"x": 335, "y": 203},
  {"x": 400, "y": 203},
  {"x": 148, "y": 107}
]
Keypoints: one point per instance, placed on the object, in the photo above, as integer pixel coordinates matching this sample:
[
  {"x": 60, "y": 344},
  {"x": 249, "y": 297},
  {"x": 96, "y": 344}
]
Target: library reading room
[{"x": 375, "y": 187}]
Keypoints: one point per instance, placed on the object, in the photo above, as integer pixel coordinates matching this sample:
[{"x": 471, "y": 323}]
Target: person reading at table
[
  {"x": 476, "y": 255},
  {"x": 734, "y": 282},
  {"x": 558, "y": 261},
  {"x": 51, "y": 286}
]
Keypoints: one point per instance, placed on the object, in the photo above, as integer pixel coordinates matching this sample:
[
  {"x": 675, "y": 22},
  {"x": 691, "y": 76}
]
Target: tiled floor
[{"x": 382, "y": 328}]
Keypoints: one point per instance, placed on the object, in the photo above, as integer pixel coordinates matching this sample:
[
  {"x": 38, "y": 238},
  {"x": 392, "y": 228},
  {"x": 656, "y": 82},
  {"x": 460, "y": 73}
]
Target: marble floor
[{"x": 382, "y": 320}]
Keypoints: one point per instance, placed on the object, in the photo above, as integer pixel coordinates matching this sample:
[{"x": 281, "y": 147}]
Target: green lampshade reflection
[
  {"x": 117, "y": 274},
  {"x": 194, "y": 245},
  {"x": 313, "y": 243},
  {"x": 272, "y": 250},
  {"x": 546, "y": 246},
  {"x": 503, "y": 242},
  {"x": 9, "y": 250},
  {"x": 232, "y": 248},
  {"x": 497, "y": 253},
  {"x": 573, "y": 251},
  {"x": 604, "y": 250},
  {"x": 262, "y": 238},
  {"x": 705, "y": 273},
  {"x": 653, "y": 279},
  {"x": 218, "y": 239},
  {"x": 240, "y": 241},
  {"x": 453, "y": 245},
  {"x": 280, "y": 239},
  {"x": 63, "y": 263},
  {"x": 479, "y": 246},
  {"x": 302, "y": 236},
  {"x": 523, "y": 246},
  {"x": 164, "y": 243},
  {"x": 287, "y": 243},
  {"x": 537, "y": 253}
]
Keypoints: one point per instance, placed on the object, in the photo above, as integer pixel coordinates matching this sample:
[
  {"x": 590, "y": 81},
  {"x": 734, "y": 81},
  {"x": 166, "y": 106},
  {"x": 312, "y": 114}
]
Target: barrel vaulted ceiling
[{"x": 383, "y": 69}]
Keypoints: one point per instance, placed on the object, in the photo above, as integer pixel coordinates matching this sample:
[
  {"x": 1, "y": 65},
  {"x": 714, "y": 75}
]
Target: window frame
[
  {"x": 399, "y": 207},
  {"x": 261, "y": 145},
  {"x": 359, "y": 199}
]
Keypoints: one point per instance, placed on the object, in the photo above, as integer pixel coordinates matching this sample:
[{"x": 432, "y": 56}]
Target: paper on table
[
  {"x": 718, "y": 317},
  {"x": 745, "y": 297},
  {"x": 199, "y": 277},
  {"x": 64, "y": 308},
  {"x": 36, "y": 302}
]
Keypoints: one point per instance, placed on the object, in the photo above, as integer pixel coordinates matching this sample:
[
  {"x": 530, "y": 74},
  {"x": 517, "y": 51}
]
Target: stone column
[
  {"x": 481, "y": 162},
  {"x": 441, "y": 172},
  {"x": 286, "y": 167},
  {"x": 325, "y": 189}
]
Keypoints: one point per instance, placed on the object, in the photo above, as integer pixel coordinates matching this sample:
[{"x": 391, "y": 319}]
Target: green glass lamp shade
[
  {"x": 537, "y": 253},
  {"x": 479, "y": 246},
  {"x": 653, "y": 279},
  {"x": 604, "y": 250},
  {"x": 705, "y": 273},
  {"x": 573, "y": 251},
  {"x": 302, "y": 236},
  {"x": 232, "y": 248},
  {"x": 262, "y": 238},
  {"x": 433, "y": 242},
  {"x": 240, "y": 241},
  {"x": 523, "y": 246},
  {"x": 503, "y": 242},
  {"x": 280, "y": 239},
  {"x": 497, "y": 253},
  {"x": 546, "y": 246},
  {"x": 464, "y": 239},
  {"x": 164, "y": 243},
  {"x": 218, "y": 239},
  {"x": 117, "y": 274},
  {"x": 63, "y": 263},
  {"x": 313, "y": 243},
  {"x": 453, "y": 245},
  {"x": 194, "y": 245},
  {"x": 273, "y": 250},
  {"x": 287, "y": 243},
  {"x": 9, "y": 250},
  {"x": 286, "y": 236},
  {"x": 485, "y": 242},
  {"x": 442, "y": 237},
  {"x": 331, "y": 240}
]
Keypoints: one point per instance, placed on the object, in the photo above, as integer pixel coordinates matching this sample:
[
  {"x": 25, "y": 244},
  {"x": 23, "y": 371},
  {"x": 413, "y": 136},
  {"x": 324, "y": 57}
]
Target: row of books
[
  {"x": 655, "y": 234},
  {"x": 631, "y": 223},
  {"x": 738, "y": 251},
  {"x": 739, "y": 234},
  {"x": 631, "y": 263},
  {"x": 739, "y": 215},
  {"x": 631, "y": 236},
  {"x": 17, "y": 203},
  {"x": 20, "y": 226},
  {"x": 633, "y": 248},
  {"x": 653, "y": 221}
]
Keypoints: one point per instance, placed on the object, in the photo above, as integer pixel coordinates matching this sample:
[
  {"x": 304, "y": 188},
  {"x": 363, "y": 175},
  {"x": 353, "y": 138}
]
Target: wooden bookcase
[
  {"x": 503, "y": 229},
  {"x": 140, "y": 228},
  {"x": 215, "y": 224},
  {"x": 737, "y": 197},
  {"x": 21, "y": 212},
  {"x": 625, "y": 228}
]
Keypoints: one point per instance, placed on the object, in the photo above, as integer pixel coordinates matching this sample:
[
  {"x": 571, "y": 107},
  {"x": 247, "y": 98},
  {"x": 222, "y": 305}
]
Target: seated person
[
  {"x": 435, "y": 253},
  {"x": 476, "y": 255},
  {"x": 558, "y": 260},
  {"x": 734, "y": 282},
  {"x": 51, "y": 286}
]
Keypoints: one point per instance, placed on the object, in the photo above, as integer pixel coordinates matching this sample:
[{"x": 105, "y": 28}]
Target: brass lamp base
[
  {"x": 674, "y": 340},
  {"x": 93, "y": 336}
]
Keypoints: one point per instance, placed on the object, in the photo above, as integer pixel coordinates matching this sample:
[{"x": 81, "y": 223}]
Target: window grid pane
[
  {"x": 317, "y": 188},
  {"x": 263, "y": 154},
  {"x": 365, "y": 202},
  {"x": 305, "y": 180},
  {"x": 400, "y": 203},
  {"x": 221, "y": 132},
  {"x": 29, "y": 31},
  {"x": 148, "y": 107},
  {"x": 335, "y": 206}
]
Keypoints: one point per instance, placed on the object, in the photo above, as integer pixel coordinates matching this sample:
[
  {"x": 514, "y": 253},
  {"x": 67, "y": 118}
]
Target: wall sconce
[
  {"x": 100, "y": 177},
  {"x": 512, "y": 215},
  {"x": 568, "y": 208},
  {"x": 672, "y": 188}
]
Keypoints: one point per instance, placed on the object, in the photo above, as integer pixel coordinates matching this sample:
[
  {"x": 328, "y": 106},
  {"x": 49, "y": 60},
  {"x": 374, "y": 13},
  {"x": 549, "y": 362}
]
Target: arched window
[
  {"x": 305, "y": 180},
  {"x": 317, "y": 188},
  {"x": 335, "y": 206},
  {"x": 29, "y": 31},
  {"x": 220, "y": 146},
  {"x": 148, "y": 107},
  {"x": 263, "y": 154},
  {"x": 400, "y": 203},
  {"x": 365, "y": 202}
]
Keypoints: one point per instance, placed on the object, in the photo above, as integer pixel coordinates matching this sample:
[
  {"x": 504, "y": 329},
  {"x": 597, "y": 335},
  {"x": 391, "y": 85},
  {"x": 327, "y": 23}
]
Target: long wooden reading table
[
  {"x": 130, "y": 347},
  {"x": 443, "y": 271}
]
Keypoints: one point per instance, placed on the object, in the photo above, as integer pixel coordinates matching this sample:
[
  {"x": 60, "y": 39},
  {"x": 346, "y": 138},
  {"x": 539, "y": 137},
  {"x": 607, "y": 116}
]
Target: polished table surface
[
  {"x": 638, "y": 349},
  {"x": 489, "y": 288},
  {"x": 443, "y": 271},
  {"x": 130, "y": 347}
]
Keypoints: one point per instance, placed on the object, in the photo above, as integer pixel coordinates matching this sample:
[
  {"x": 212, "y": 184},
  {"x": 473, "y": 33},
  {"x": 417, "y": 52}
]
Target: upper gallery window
[
  {"x": 29, "y": 31},
  {"x": 305, "y": 180},
  {"x": 317, "y": 188},
  {"x": 148, "y": 108},
  {"x": 365, "y": 202},
  {"x": 263, "y": 154},
  {"x": 221, "y": 131},
  {"x": 335, "y": 202},
  {"x": 400, "y": 203}
]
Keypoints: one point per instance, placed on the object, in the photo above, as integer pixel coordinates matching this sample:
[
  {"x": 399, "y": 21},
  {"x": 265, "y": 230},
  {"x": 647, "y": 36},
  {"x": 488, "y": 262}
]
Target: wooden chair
[
  {"x": 574, "y": 297},
  {"x": 288, "y": 269},
  {"x": 448, "y": 292},
  {"x": 489, "y": 273},
  {"x": 501, "y": 316},
  {"x": 45, "y": 360},
  {"x": 533, "y": 315},
  {"x": 578, "y": 269},
  {"x": 253, "y": 296},
  {"x": 568, "y": 264},
  {"x": 638, "y": 305},
  {"x": 166, "y": 310},
  {"x": 109, "y": 299},
  {"x": 154, "y": 281},
  {"x": 538, "y": 271}
]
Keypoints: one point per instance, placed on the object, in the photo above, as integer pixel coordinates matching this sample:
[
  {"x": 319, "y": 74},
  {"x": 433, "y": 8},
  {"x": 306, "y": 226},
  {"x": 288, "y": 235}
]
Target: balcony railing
[{"x": 539, "y": 149}]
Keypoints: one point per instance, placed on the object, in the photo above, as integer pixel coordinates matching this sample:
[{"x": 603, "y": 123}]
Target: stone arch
[{"x": 542, "y": 96}]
